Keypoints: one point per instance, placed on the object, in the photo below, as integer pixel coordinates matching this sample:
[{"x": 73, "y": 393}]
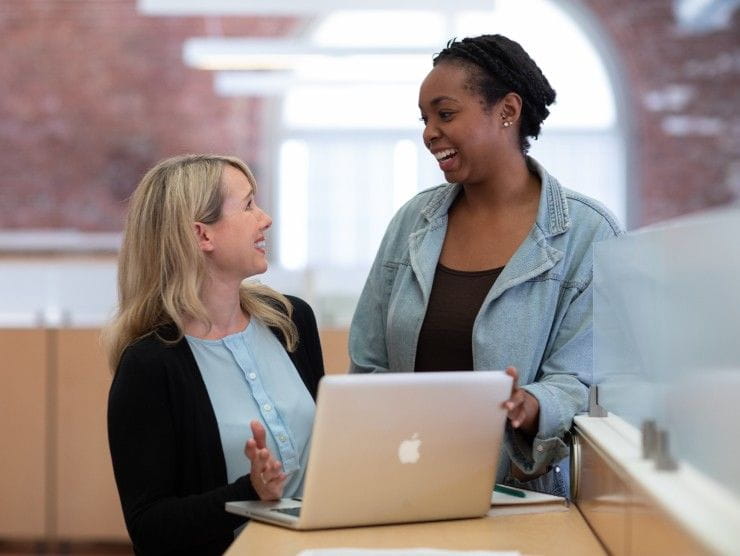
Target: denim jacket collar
[
  {"x": 533, "y": 257},
  {"x": 552, "y": 215}
]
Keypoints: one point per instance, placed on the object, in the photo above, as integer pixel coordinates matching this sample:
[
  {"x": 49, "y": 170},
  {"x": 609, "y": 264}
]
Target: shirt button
[
  {"x": 282, "y": 438},
  {"x": 267, "y": 407},
  {"x": 252, "y": 376},
  {"x": 540, "y": 448}
]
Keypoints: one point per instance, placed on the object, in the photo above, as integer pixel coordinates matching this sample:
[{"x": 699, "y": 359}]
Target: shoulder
[
  {"x": 301, "y": 309},
  {"x": 433, "y": 196},
  {"x": 301, "y": 314},
  {"x": 148, "y": 348},
  {"x": 303, "y": 317},
  {"x": 589, "y": 222},
  {"x": 417, "y": 213},
  {"x": 426, "y": 203},
  {"x": 572, "y": 223},
  {"x": 140, "y": 372},
  {"x": 588, "y": 214},
  {"x": 152, "y": 353},
  {"x": 570, "y": 213}
]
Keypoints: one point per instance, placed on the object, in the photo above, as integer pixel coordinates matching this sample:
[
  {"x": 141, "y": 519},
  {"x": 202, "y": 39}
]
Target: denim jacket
[{"x": 536, "y": 317}]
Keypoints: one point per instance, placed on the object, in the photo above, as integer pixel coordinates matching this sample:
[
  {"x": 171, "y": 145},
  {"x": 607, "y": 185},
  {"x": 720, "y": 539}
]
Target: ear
[
  {"x": 203, "y": 236},
  {"x": 510, "y": 107}
]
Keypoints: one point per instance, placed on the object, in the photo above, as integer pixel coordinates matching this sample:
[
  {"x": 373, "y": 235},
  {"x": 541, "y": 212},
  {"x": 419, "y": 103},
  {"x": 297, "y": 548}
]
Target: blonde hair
[{"x": 161, "y": 269}]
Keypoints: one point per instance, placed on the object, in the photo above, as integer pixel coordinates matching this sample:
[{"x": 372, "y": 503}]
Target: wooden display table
[{"x": 563, "y": 532}]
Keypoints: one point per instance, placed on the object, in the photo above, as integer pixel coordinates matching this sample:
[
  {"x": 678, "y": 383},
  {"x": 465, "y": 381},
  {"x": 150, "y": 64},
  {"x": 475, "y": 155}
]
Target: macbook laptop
[{"x": 397, "y": 447}]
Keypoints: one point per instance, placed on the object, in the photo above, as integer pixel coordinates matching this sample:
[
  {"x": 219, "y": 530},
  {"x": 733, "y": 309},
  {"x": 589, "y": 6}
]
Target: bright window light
[
  {"x": 381, "y": 28},
  {"x": 382, "y": 68},
  {"x": 571, "y": 64},
  {"x": 352, "y": 106},
  {"x": 405, "y": 175},
  {"x": 293, "y": 204}
]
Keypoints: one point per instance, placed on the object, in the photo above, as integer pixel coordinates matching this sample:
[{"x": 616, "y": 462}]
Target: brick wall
[
  {"x": 684, "y": 92},
  {"x": 92, "y": 94}
]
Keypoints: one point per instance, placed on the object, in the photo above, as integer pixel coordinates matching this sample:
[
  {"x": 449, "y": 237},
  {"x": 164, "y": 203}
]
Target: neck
[
  {"x": 509, "y": 184},
  {"x": 223, "y": 309}
]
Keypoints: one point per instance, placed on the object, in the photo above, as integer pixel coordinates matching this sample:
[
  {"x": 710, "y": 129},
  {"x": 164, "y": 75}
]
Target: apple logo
[{"x": 408, "y": 450}]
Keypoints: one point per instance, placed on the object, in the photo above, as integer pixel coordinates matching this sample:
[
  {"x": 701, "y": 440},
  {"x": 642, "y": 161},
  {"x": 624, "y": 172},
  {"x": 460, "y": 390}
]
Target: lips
[
  {"x": 446, "y": 158},
  {"x": 444, "y": 154}
]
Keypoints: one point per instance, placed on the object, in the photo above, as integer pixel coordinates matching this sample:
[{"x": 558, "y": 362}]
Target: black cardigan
[{"x": 166, "y": 449}]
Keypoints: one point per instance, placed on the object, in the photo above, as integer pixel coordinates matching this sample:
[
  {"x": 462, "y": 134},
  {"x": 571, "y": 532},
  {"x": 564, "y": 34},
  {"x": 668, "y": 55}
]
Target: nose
[
  {"x": 429, "y": 135},
  {"x": 265, "y": 220}
]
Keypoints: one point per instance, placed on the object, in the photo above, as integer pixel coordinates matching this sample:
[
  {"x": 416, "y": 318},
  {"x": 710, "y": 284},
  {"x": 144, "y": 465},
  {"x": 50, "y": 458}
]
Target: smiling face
[
  {"x": 466, "y": 137},
  {"x": 235, "y": 243}
]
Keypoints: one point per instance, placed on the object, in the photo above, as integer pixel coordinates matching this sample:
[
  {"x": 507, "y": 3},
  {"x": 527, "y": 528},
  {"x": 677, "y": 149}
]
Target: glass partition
[{"x": 667, "y": 335}]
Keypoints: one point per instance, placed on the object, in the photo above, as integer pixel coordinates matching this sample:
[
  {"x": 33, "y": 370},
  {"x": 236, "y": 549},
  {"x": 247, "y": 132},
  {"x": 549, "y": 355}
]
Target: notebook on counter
[{"x": 509, "y": 500}]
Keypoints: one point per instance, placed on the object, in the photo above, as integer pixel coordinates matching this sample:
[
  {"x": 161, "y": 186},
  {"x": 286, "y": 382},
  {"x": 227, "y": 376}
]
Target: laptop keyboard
[{"x": 290, "y": 511}]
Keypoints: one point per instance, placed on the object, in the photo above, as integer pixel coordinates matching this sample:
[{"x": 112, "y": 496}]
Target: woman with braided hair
[{"x": 493, "y": 269}]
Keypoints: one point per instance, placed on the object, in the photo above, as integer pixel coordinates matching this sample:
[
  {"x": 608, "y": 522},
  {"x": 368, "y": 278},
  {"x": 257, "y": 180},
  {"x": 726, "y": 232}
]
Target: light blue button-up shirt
[
  {"x": 249, "y": 376},
  {"x": 536, "y": 317}
]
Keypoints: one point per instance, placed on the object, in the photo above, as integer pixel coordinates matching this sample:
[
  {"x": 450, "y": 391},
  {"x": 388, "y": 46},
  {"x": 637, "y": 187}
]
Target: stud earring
[{"x": 507, "y": 123}]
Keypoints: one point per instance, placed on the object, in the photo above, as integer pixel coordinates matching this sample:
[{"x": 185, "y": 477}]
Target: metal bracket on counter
[{"x": 594, "y": 409}]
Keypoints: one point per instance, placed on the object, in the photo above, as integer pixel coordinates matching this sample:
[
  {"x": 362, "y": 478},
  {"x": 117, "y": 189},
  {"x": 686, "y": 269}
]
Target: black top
[
  {"x": 446, "y": 336},
  {"x": 165, "y": 446}
]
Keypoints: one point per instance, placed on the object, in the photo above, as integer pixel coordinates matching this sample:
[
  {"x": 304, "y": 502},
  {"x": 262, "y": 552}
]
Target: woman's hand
[
  {"x": 522, "y": 407},
  {"x": 266, "y": 474}
]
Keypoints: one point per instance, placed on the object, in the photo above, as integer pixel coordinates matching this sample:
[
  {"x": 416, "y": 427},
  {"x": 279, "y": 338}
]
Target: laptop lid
[{"x": 399, "y": 447}]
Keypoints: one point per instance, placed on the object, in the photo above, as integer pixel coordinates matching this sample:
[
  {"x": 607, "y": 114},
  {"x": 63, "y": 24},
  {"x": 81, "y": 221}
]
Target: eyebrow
[
  {"x": 439, "y": 99},
  {"x": 248, "y": 195},
  {"x": 436, "y": 100}
]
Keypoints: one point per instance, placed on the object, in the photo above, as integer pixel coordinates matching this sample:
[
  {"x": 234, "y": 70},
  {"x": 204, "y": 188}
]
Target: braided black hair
[{"x": 499, "y": 66}]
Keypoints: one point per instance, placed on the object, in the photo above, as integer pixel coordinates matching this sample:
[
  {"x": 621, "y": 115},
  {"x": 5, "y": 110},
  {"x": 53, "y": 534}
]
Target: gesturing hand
[
  {"x": 522, "y": 407},
  {"x": 266, "y": 475}
]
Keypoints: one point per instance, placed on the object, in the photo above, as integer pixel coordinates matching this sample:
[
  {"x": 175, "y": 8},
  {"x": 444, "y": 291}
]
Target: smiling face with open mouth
[
  {"x": 464, "y": 135},
  {"x": 238, "y": 236}
]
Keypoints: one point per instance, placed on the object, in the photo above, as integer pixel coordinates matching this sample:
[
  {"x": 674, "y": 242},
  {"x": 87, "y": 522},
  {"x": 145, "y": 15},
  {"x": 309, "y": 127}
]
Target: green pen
[{"x": 510, "y": 491}]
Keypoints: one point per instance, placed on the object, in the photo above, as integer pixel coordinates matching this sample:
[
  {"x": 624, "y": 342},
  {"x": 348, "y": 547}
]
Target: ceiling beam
[
  {"x": 215, "y": 53},
  {"x": 266, "y": 83},
  {"x": 294, "y": 7}
]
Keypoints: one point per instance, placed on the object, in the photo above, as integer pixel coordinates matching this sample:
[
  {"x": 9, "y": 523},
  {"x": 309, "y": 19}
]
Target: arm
[
  {"x": 560, "y": 391},
  {"x": 560, "y": 386},
  {"x": 161, "y": 514},
  {"x": 367, "y": 343}
]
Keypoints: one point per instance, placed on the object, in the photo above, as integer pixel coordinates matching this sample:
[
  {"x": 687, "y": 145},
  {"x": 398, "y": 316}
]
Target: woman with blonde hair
[{"x": 208, "y": 368}]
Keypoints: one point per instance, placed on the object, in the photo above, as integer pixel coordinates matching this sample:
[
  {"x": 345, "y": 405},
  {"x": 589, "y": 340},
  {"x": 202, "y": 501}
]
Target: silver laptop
[{"x": 397, "y": 447}]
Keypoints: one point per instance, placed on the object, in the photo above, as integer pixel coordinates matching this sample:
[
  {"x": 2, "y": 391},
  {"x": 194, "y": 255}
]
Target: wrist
[{"x": 530, "y": 425}]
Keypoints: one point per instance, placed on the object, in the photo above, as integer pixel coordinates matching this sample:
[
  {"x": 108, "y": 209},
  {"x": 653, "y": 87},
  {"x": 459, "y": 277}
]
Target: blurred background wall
[
  {"x": 683, "y": 77},
  {"x": 93, "y": 93}
]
